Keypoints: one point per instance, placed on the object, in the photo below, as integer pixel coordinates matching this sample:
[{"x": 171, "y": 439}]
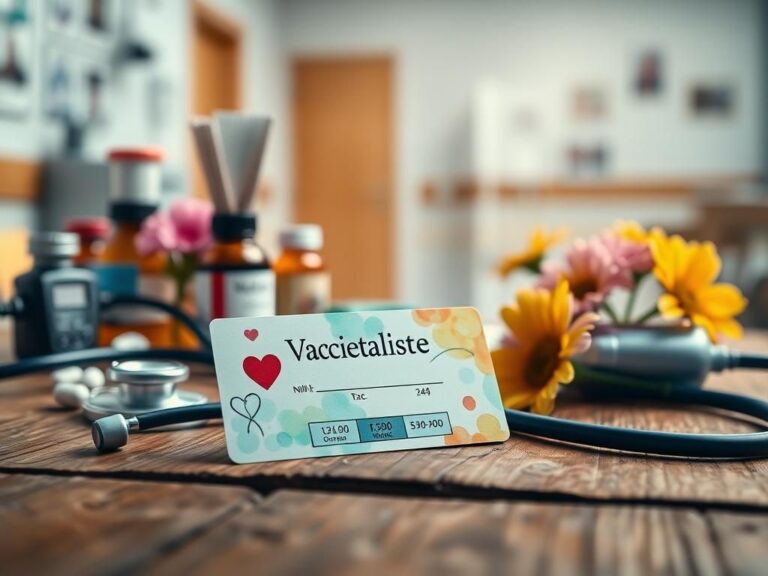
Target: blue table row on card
[
  {"x": 379, "y": 429},
  {"x": 421, "y": 425},
  {"x": 334, "y": 433}
]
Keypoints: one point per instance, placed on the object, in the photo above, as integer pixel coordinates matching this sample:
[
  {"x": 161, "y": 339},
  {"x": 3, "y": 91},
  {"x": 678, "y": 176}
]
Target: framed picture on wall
[
  {"x": 59, "y": 83},
  {"x": 588, "y": 103},
  {"x": 711, "y": 99},
  {"x": 78, "y": 58},
  {"x": 588, "y": 160},
  {"x": 648, "y": 73},
  {"x": 62, "y": 16},
  {"x": 95, "y": 90},
  {"x": 16, "y": 58},
  {"x": 101, "y": 16},
  {"x": 75, "y": 89},
  {"x": 83, "y": 22}
]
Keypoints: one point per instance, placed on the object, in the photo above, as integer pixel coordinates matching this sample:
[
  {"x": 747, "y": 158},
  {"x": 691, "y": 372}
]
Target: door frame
[
  {"x": 394, "y": 213},
  {"x": 203, "y": 14}
]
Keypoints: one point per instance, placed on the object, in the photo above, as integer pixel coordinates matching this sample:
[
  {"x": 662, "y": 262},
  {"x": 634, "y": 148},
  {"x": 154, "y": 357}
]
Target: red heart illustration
[
  {"x": 264, "y": 372},
  {"x": 251, "y": 334}
]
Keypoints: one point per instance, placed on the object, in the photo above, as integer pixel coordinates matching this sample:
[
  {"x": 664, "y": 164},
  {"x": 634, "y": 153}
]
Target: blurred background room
[{"x": 427, "y": 137}]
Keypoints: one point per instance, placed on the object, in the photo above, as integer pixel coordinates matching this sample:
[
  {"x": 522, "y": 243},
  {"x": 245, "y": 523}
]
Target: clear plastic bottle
[
  {"x": 235, "y": 277},
  {"x": 303, "y": 282}
]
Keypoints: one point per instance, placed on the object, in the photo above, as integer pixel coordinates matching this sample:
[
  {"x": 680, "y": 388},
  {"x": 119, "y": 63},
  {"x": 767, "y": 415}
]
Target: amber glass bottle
[
  {"x": 303, "y": 282},
  {"x": 93, "y": 233},
  {"x": 134, "y": 196},
  {"x": 235, "y": 277}
]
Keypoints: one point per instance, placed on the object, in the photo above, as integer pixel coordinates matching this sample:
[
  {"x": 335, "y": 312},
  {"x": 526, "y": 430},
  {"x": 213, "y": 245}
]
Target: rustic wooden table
[{"x": 171, "y": 502}]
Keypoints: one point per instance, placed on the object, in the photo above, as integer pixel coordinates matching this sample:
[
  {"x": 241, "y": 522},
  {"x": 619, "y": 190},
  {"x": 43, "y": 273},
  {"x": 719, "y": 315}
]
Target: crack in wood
[{"x": 267, "y": 485}]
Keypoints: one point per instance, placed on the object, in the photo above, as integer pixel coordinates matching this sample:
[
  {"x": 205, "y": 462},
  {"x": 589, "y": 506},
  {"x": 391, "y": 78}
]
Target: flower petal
[
  {"x": 513, "y": 319},
  {"x": 508, "y": 363},
  {"x": 669, "y": 306},
  {"x": 577, "y": 346},
  {"x": 707, "y": 324},
  {"x": 519, "y": 400},
  {"x": 545, "y": 400},
  {"x": 703, "y": 265},
  {"x": 561, "y": 307},
  {"x": 721, "y": 301},
  {"x": 729, "y": 328},
  {"x": 564, "y": 373},
  {"x": 543, "y": 405}
]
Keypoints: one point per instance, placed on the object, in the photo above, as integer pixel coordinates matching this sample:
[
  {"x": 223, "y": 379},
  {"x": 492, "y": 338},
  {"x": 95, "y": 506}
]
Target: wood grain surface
[
  {"x": 84, "y": 526},
  {"x": 308, "y": 533},
  {"x": 37, "y": 436},
  {"x": 96, "y": 526}
]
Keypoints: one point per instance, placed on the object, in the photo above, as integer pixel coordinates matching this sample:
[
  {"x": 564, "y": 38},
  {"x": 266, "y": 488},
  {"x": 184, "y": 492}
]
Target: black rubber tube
[
  {"x": 755, "y": 361},
  {"x": 750, "y": 445},
  {"x": 125, "y": 300},
  {"x": 181, "y": 415},
  {"x": 63, "y": 359}
]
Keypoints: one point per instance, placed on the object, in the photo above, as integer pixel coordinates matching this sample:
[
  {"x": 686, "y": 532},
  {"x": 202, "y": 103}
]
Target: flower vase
[{"x": 181, "y": 336}]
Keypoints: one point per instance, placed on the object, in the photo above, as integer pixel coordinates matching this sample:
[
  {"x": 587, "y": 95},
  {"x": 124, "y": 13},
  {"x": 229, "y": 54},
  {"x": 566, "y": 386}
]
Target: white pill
[
  {"x": 93, "y": 377},
  {"x": 71, "y": 394},
  {"x": 69, "y": 374},
  {"x": 131, "y": 341}
]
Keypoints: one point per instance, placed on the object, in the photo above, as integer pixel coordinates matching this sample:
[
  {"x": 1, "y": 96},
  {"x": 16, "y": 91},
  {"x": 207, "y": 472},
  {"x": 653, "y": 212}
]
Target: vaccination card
[{"x": 355, "y": 382}]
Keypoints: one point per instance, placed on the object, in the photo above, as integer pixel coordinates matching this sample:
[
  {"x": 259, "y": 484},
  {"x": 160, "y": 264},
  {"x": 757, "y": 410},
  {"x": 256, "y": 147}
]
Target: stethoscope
[{"x": 629, "y": 364}]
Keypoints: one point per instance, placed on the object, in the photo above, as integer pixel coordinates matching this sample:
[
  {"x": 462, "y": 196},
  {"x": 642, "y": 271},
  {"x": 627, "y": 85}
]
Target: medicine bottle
[
  {"x": 134, "y": 196},
  {"x": 303, "y": 283},
  {"x": 235, "y": 277},
  {"x": 93, "y": 233}
]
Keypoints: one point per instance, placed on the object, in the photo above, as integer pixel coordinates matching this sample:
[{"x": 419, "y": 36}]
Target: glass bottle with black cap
[{"x": 235, "y": 277}]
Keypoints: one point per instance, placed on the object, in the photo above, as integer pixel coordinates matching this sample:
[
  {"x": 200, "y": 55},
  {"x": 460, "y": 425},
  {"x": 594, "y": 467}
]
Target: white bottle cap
[
  {"x": 135, "y": 175},
  {"x": 302, "y": 237}
]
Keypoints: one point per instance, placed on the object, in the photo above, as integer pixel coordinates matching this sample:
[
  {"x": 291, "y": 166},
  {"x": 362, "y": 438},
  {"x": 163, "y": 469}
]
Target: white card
[{"x": 350, "y": 383}]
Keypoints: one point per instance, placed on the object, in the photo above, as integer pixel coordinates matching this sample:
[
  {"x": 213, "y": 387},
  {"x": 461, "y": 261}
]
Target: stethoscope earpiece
[{"x": 111, "y": 432}]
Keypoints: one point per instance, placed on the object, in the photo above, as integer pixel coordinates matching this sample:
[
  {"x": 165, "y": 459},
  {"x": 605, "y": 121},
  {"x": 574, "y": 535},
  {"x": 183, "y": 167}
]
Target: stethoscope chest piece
[{"x": 139, "y": 386}]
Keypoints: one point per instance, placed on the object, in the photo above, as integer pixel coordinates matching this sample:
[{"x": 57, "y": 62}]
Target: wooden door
[
  {"x": 216, "y": 65},
  {"x": 343, "y": 167}
]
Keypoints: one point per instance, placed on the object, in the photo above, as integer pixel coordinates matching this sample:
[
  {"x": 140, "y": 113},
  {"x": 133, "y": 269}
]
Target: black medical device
[{"x": 56, "y": 306}]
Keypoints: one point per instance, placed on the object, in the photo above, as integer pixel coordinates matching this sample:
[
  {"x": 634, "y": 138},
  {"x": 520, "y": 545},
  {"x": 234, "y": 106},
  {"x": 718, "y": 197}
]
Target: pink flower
[
  {"x": 157, "y": 234},
  {"x": 630, "y": 256},
  {"x": 192, "y": 220},
  {"x": 591, "y": 272},
  {"x": 185, "y": 228}
]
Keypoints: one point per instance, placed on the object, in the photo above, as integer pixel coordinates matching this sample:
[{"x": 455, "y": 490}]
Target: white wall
[
  {"x": 444, "y": 48},
  {"x": 165, "y": 27}
]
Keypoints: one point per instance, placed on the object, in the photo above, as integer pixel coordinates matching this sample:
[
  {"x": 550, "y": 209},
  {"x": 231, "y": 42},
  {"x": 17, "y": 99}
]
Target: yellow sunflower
[
  {"x": 538, "y": 243},
  {"x": 631, "y": 231},
  {"x": 537, "y": 358},
  {"x": 687, "y": 272}
]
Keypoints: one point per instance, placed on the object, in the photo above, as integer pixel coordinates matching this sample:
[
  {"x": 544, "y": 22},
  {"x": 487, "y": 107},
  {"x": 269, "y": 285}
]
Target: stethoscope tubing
[
  {"x": 746, "y": 445},
  {"x": 125, "y": 299},
  {"x": 63, "y": 359},
  {"x": 749, "y": 445}
]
